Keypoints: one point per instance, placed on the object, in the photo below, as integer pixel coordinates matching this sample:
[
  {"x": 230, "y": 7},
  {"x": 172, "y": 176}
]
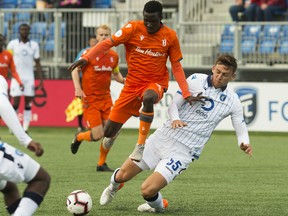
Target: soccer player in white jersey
[
  {"x": 16, "y": 167},
  {"x": 25, "y": 52},
  {"x": 180, "y": 141}
]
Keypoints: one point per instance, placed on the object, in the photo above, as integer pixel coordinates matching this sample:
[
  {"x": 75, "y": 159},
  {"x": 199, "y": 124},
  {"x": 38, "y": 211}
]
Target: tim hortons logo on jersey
[
  {"x": 149, "y": 52},
  {"x": 103, "y": 68},
  {"x": 248, "y": 98},
  {"x": 3, "y": 65}
]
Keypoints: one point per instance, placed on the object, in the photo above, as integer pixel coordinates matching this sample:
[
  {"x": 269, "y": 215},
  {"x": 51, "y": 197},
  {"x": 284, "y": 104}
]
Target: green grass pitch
[{"x": 224, "y": 181}]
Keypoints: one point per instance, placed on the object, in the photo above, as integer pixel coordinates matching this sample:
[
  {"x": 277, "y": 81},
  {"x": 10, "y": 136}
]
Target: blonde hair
[{"x": 105, "y": 27}]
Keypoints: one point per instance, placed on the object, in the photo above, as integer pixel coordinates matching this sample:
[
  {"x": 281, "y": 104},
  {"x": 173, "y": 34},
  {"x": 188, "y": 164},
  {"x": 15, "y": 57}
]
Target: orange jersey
[
  {"x": 147, "y": 54},
  {"x": 6, "y": 63},
  {"x": 96, "y": 76}
]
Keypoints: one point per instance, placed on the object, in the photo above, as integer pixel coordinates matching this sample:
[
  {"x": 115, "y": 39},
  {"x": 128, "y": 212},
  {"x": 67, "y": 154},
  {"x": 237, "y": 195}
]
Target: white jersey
[
  {"x": 9, "y": 116},
  {"x": 24, "y": 55},
  {"x": 202, "y": 119}
]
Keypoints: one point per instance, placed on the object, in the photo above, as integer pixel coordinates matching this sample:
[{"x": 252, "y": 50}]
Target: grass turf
[{"x": 224, "y": 181}]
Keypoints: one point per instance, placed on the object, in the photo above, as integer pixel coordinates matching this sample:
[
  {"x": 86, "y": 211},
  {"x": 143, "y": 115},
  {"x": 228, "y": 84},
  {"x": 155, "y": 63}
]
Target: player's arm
[
  {"x": 39, "y": 72},
  {"x": 173, "y": 110},
  {"x": 241, "y": 128},
  {"x": 92, "y": 53},
  {"x": 14, "y": 73},
  {"x": 76, "y": 82},
  {"x": 181, "y": 80},
  {"x": 10, "y": 118},
  {"x": 117, "y": 75}
]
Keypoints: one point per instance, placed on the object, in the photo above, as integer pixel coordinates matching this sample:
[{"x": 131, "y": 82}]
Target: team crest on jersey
[
  {"x": 248, "y": 98},
  {"x": 129, "y": 25},
  {"x": 223, "y": 97},
  {"x": 164, "y": 42},
  {"x": 118, "y": 33}
]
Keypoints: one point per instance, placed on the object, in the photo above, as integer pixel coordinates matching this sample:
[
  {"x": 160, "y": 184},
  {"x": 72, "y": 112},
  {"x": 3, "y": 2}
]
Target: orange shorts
[
  {"x": 130, "y": 101},
  {"x": 94, "y": 113}
]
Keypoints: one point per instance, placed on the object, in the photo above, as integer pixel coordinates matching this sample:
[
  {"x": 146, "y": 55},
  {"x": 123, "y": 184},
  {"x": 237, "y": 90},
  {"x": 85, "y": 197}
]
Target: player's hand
[
  {"x": 21, "y": 87},
  {"x": 35, "y": 147},
  {"x": 246, "y": 148},
  {"x": 199, "y": 98},
  {"x": 79, "y": 63},
  {"x": 178, "y": 124}
]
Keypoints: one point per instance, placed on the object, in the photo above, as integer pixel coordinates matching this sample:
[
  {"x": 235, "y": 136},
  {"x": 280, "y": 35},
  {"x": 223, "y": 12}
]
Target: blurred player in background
[
  {"x": 17, "y": 167},
  {"x": 148, "y": 45},
  {"x": 180, "y": 141},
  {"x": 92, "y": 42},
  {"x": 25, "y": 52},
  {"x": 96, "y": 97},
  {"x": 7, "y": 63}
]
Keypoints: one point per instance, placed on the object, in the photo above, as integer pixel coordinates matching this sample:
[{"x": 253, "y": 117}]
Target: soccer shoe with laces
[
  {"x": 137, "y": 153},
  {"x": 75, "y": 144},
  {"x": 104, "y": 168},
  {"x": 147, "y": 208},
  {"x": 108, "y": 194}
]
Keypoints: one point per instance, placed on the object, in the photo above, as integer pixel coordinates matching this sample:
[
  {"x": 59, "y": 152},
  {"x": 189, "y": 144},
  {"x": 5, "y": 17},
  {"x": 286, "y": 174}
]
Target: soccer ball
[{"x": 79, "y": 202}]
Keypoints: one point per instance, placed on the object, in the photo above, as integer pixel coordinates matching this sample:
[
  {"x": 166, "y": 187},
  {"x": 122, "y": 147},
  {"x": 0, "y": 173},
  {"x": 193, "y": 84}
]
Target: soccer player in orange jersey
[
  {"x": 7, "y": 63},
  {"x": 96, "y": 97},
  {"x": 148, "y": 45}
]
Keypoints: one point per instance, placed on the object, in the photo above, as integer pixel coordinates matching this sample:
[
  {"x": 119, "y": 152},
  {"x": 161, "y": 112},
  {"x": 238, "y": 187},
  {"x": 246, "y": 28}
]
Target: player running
[{"x": 148, "y": 43}]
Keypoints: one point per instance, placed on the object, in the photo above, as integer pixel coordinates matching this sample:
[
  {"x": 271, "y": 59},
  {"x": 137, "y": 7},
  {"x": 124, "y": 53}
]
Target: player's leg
[
  {"x": 33, "y": 194},
  {"x": 152, "y": 94},
  {"x": 127, "y": 171},
  {"x": 106, "y": 142},
  {"x": 92, "y": 116},
  {"x": 105, "y": 147},
  {"x": 15, "y": 93},
  {"x": 11, "y": 195},
  {"x": 150, "y": 190},
  {"x": 80, "y": 123},
  {"x": 27, "y": 114}
]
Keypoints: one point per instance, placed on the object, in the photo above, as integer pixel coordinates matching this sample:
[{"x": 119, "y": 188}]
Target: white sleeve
[
  {"x": 173, "y": 109},
  {"x": 239, "y": 123},
  {"x": 10, "y": 118}
]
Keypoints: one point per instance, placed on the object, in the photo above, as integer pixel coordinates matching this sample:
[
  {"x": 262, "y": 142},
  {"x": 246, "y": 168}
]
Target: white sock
[
  {"x": 158, "y": 203},
  {"x": 26, "y": 207},
  {"x": 114, "y": 185},
  {"x": 26, "y": 119}
]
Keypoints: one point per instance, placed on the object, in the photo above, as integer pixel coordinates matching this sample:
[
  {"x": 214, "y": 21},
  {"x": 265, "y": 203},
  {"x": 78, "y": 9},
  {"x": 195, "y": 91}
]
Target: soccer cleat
[
  {"x": 75, "y": 144},
  {"x": 137, "y": 153},
  {"x": 108, "y": 194},
  {"x": 147, "y": 208},
  {"x": 104, "y": 168}
]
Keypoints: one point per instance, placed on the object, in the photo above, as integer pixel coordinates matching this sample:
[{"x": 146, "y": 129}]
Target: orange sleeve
[
  {"x": 98, "y": 49},
  {"x": 179, "y": 75},
  {"x": 14, "y": 72}
]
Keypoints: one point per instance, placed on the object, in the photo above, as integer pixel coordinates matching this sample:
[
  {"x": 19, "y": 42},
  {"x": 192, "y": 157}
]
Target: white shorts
[
  {"x": 166, "y": 156},
  {"x": 29, "y": 88},
  {"x": 15, "y": 166}
]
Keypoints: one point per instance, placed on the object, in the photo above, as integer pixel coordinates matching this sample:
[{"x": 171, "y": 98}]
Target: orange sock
[
  {"x": 103, "y": 155},
  {"x": 145, "y": 124},
  {"x": 85, "y": 136}
]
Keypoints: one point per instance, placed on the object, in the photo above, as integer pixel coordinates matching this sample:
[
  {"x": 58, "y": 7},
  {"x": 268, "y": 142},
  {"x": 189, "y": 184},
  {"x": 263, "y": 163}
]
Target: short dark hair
[
  {"x": 24, "y": 25},
  {"x": 228, "y": 61},
  {"x": 152, "y": 7}
]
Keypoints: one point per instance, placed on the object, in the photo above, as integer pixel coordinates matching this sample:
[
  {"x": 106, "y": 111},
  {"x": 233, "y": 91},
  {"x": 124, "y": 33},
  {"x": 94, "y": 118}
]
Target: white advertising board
[{"x": 265, "y": 106}]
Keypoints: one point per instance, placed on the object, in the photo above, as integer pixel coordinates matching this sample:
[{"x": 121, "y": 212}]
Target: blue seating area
[
  {"x": 256, "y": 39},
  {"x": 20, "y": 4}
]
